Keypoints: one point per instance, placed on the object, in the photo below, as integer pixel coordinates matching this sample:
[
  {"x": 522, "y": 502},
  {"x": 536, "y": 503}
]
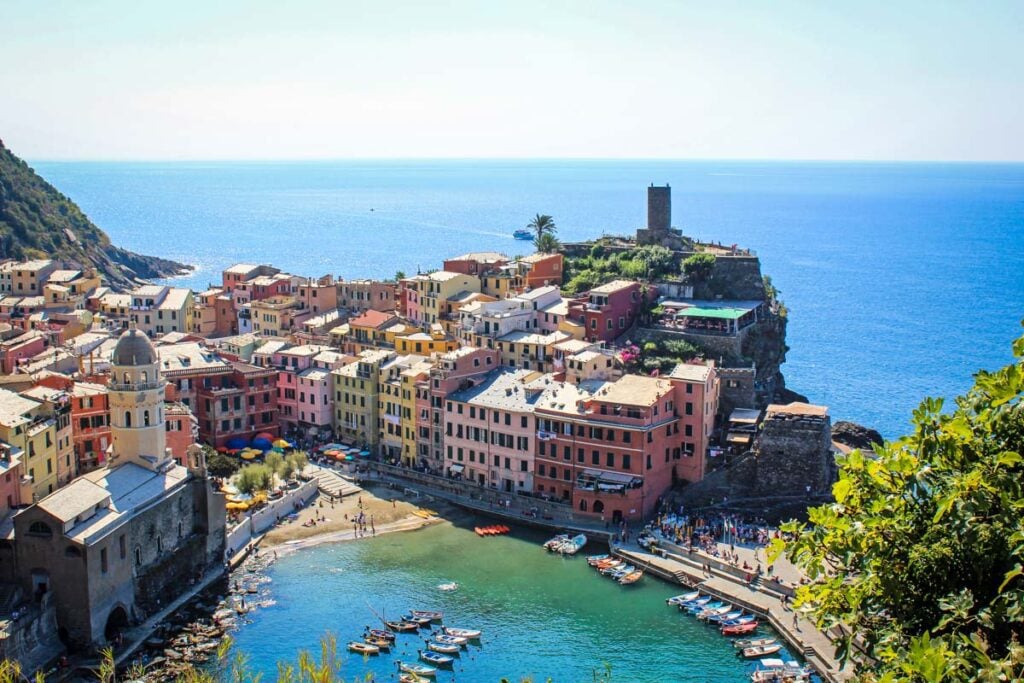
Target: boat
[
  {"x": 417, "y": 669},
  {"x": 707, "y": 613},
  {"x": 402, "y": 626},
  {"x": 363, "y": 648},
  {"x": 380, "y": 633},
  {"x": 422, "y": 622},
  {"x": 468, "y": 633},
  {"x": 435, "y": 658},
  {"x": 573, "y": 545},
  {"x": 449, "y": 587},
  {"x": 776, "y": 670},
  {"x": 697, "y": 609},
  {"x": 690, "y": 604},
  {"x": 612, "y": 565},
  {"x": 594, "y": 559},
  {"x": 680, "y": 599},
  {"x": 761, "y": 650},
  {"x": 381, "y": 643},
  {"x": 553, "y": 543},
  {"x": 443, "y": 648},
  {"x": 746, "y": 619},
  {"x": 523, "y": 235},
  {"x": 408, "y": 678},
  {"x": 631, "y": 578},
  {"x": 752, "y": 642},
  {"x": 615, "y": 568},
  {"x": 446, "y": 639},
  {"x": 725, "y": 618},
  {"x": 739, "y": 629},
  {"x": 427, "y": 614},
  {"x": 422, "y": 513}
]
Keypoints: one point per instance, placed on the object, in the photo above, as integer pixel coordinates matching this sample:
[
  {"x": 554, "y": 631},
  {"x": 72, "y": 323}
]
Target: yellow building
[
  {"x": 157, "y": 309},
  {"x": 391, "y": 406},
  {"x": 369, "y": 331},
  {"x": 272, "y": 317},
  {"x": 415, "y": 374},
  {"x": 28, "y": 277},
  {"x": 355, "y": 398},
  {"x": 31, "y": 436},
  {"x": 435, "y": 293},
  {"x": 529, "y": 350},
  {"x": 426, "y": 343}
]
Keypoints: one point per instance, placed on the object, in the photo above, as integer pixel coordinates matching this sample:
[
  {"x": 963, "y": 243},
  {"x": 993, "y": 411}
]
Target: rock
[{"x": 854, "y": 435}]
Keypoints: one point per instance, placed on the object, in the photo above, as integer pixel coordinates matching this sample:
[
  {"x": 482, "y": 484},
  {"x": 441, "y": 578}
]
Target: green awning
[{"x": 717, "y": 313}]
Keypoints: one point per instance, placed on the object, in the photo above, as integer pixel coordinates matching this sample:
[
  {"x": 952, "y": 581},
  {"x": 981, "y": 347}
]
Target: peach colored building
[
  {"x": 697, "y": 391},
  {"x": 317, "y": 295},
  {"x": 181, "y": 430},
  {"x": 453, "y": 371}
]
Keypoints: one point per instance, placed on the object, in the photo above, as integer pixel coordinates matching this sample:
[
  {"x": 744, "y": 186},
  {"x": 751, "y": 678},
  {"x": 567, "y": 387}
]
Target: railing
[{"x": 141, "y": 386}]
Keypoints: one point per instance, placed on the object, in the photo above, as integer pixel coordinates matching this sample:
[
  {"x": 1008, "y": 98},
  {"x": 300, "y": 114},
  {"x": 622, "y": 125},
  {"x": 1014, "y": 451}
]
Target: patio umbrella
[
  {"x": 281, "y": 443},
  {"x": 265, "y": 435},
  {"x": 238, "y": 442},
  {"x": 261, "y": 443}
]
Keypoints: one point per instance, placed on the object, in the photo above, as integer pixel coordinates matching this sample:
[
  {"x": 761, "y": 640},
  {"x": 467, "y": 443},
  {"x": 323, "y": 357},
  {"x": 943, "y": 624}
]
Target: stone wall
[
  {"x": 32, "y": 640},
  {"x": 264, "y": 519}
]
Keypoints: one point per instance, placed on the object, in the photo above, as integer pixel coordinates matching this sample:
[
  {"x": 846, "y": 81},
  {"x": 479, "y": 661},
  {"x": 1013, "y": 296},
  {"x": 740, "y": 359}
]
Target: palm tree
[
  {"x": 547, "y": 244},
  {"x": 542, "y": 224}
]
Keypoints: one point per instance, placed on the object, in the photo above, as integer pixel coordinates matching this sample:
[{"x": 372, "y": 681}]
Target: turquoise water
[
  {"x": 901, "y": 279},
  {"x": 541, "y": 615}
]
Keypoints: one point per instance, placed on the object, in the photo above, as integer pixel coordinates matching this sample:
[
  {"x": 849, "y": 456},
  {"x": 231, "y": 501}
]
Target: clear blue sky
[{"x": 284, "y": 79}]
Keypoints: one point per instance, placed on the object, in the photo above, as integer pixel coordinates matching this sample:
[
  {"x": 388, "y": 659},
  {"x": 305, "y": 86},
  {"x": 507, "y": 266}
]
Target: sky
[{"x": 334, "y": 79}]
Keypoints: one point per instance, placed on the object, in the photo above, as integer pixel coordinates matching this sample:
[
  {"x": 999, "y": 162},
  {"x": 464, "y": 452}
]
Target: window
[
  {"x": 610, "y": 459},
  {"x": 103, "y": 560},
  {"x": 626, "y": 461},
  {"x": 145, "y": 417},
  {"x": 122, "y": 549},
  {"x": 40, "y": 529},
  {"x": 689, "y": 408},
  {"x": 138, "y": 556},
  {"x": 127, "y": 418}
]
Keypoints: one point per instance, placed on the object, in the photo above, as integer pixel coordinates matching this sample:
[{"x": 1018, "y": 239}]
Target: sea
[
  {"x": 901, "y": 279},
  {"x": 542, "y": 616}
]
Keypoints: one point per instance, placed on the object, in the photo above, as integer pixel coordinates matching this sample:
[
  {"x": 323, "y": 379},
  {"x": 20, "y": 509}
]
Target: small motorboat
[
  {"x": 739, "y": 629},
  {"x": 761, "y": 651},
  {"x": 467, "y": 633},
  {"x": 435, "y": 658},
  {"x": 427, "y": 614},
  {"x": 380, "y": 633},
  {"x": 692, "y": 604},
  {"x": 363, "y": 648},
  {"x": 738, "y": 621},
  {"x": 443, "y": 648},
  {"x": 752, "y": 642},
  {"x": 523, "y": 235},
  {"x": 618, "y": 569},
  {"x": 707, "y": 606},
  {"x": 446, "y": 639},
  {"x": 680, "y": 599},
  {"x": 552, "y": 544},
  {"x": 417, "y": 669},
  {"x": 402, "y": 626},
  {"x": 594, "y": 559},
  {"x": 573, "y": 545},
  {"x": 717, "y": 613},
  {"x": 381, "y": 643},
  {"x": 449, "y": 587},
  {"x": 610, "y": 566},
  {"x": 422, "y": 622},
  {"x": 631, "y": 578},
  {"x": 777, "y": 670}
]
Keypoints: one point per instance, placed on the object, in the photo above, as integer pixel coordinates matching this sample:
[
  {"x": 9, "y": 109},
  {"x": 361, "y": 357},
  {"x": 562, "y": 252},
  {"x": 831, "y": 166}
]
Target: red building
[
  {"x": 90, "y": 419},
  {"x": 241, "y": 402},
  {"x": 181, "y": 430},
  {"x": 540, "y": 270},
  {"x": 610, "y": 449},
  {"x": 609, "y": 310}
]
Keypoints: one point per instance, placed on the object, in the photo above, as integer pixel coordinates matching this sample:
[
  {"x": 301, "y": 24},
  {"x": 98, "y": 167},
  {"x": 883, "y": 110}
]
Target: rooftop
[
  {"x": 796, "y": 408},
  {"x": 187, "y": 357},
  {"x": 176, "y": 298},
  {"x": 506, "y": 390},
  {"x": 480, "y": 257},
  {"x": 537, "y": 257},
  {"x": 371, "y": 318},
  {"x": 613, "y": 286},
  {"x": 241, "y": 268},
  {"x": 36, "y": 264},
  {"x": 63, "y": 275},
  {"x": 13, "y": 408},
  {"x": 149, "y": 290},
  {"x": 691, "y": 372},
  {"x": 634, "y": 390}
]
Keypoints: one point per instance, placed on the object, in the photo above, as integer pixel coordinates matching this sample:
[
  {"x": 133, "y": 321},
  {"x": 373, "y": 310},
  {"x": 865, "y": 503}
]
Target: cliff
[{"x": 37, "y": 221}]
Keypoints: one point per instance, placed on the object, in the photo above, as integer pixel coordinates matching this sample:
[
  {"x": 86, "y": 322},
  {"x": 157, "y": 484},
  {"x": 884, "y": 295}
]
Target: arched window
[
  {"x": 40, "y": 529},
  {"x": 598, "y": 506},
  {"x": 138, "y": 556},
  {"x": 127, "y": 378},
  {"x": 583, "y": 505},
  {"x": 145, "y": 377},
  {"x": 127, "y": 418},
  {"x": 145, "y": 417},
  {"x": 159, "y": 544}
]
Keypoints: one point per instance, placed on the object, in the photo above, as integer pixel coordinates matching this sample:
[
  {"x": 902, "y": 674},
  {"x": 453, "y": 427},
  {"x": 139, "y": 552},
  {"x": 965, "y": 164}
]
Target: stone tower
[
  {"x": 136, "y": 404},
  {"x": 659, "y": 209}
]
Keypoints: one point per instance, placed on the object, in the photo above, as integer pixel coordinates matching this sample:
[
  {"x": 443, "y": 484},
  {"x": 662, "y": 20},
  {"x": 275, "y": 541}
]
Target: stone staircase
[{"x": 333, "y": 484}]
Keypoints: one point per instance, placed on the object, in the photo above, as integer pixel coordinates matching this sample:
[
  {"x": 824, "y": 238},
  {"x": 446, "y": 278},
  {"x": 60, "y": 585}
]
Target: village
[{"x": 483, "y": 379}]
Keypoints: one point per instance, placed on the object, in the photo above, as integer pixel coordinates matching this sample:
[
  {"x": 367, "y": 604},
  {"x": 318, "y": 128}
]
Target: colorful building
[
  {"x": 697, "y": 393},
  {"x": 157, "y": 309},
  {"x": 609, "y": 310},
  {"x": 31, "y": 436},
  {"x": 432, "y": 295},
  {"x": 356, "y": 410}
]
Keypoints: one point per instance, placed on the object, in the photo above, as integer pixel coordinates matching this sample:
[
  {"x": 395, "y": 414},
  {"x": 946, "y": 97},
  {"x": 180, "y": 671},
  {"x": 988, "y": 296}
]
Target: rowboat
[
  {"x": 709, "y": 612},
  {"x": 594, "y": 559},
  {"x": 417, "y": 669},
  {"x": 408, "y": 678},
  {"x": 381, "y": 643},
  {"x": 573, "y": 545},
  {"x": 726, "y": 618},
  {"x": 442, "y": 648},
  {"x": 468, "y": 633},
  {"x": 435, "y": 658},
  {"x": 685, "y": 597},
  {"x": 402, "y": 626},
  {"x": 380, "y": 633},
  {"x": 450, "y": 640},
  {"x": 631, "y": 578},
  {"x": 690, "y": 604},
  {"x": 739, "y": 629},
  {"x": 625, "y": 568},
  {"x": 422, "y": 622},
  {"x": 422, "y": 513},
  {"x": 552, "y": 543},
  {"x": 738, "y": 621},
  {"x": 752, "y": 642},
  {"x": 448, "y": 587},
  {"x": 761, "y": 651},
  {"x": 697, "y": 609},
  {"x": 363, "y": 648},
  {"x": 612, "y": 565},
  {"x": 426, "y": 614}
]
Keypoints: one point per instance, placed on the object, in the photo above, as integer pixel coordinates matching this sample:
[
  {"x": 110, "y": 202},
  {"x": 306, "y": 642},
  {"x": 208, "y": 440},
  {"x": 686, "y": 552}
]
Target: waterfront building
[
  {"x": 116, "y": 544},
  {"x": 490, "y": 432},
  {"x": 451, "y": 372},
  {"x": 432, "y": 295},
  {"x": 238, "y": 400},
  {"x": 182, "y": 431},
  {"x": 156, "y": 309},
  {"x": 356, "y": 410},
  {"x": 317, "y": 295},
  {"x": 295, "y": 410},
  {"x": 482, "y": 322},
  {"x": 115, "y": 309},
  {"x": 393, "y": 411},
  {"x": 241, "y": 273},
  {"x": 413, "y": 383},
  {"x": 30, "y": 433},
  {"x": 70, "y": 287},
  {"x": 189, "y": 366},
  {"x": 589, "y": 364},
  {"x": 215, "y": 314},
  {"x": 529, "y": 350},
  {"x": 610, "y": 310},
  {"x": 55, "y": 406},
  {"x": 539, "y": 270},
  {"x": 610, "y": 449},
  {"x": 697, "y": 395}
]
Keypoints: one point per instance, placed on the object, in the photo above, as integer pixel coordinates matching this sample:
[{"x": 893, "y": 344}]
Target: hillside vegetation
[{"x": 37, "y": 221}]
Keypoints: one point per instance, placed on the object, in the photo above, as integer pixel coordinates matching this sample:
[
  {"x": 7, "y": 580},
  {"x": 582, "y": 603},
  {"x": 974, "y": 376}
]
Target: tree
[
  {"x": 542, "y": 224},
  {"x": 220, "y": 464},
  {"x": 659, "y": 260},
  {"x": 252, "y": 478},
  {"x": 699, "y": 266},
  {"x": 922, "y": 554},
  {"x": 399, "y": 275},
  {"x": 547, "y": 244}
]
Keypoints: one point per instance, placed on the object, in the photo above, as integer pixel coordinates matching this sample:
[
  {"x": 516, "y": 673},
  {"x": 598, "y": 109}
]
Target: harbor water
[{"x": 542, "y": 615}]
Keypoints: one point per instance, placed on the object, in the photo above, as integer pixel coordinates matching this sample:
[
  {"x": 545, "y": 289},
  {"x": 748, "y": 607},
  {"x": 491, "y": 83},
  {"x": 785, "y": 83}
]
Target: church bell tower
[{"x": 136, "y": 393}]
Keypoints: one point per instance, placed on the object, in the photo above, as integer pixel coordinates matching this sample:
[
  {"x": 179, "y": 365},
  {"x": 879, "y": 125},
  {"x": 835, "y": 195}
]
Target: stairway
[{"x": 333, "y": 484}]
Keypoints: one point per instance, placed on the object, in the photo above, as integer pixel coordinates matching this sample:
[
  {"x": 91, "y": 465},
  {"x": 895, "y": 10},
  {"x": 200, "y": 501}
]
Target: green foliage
[
  {"x": 698, "y": 267},
  {"x": 299, "y": 460},
  {"x": 274, "y": 461},
  {"x": 922, "y": 553},
  {"x": 547, "y": 244},
  {"x": 252, "y": 478},
  {"x": 542, "y": 224},
  {"x": 399, "y": 275},
  {"x": 220, "y": 464}
]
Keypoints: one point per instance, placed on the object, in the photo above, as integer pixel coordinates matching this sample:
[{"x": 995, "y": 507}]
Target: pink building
[
  {"x": 609, "y": 310},
  {"x": 14, "y": 351},
  {"x": 303, "y": 390},
  {"x": 608, "y": 448},
  {"x": 181, "y": 430},
  {"x": 696, "y": 397},
  {"x": 454, "y": 370}
]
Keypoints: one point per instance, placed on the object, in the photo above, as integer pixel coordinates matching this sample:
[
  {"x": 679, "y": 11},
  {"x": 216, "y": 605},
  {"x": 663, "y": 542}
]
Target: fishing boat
[
  {"x": 573, "y": 545},
  {"x": 426, "y": 614},
  {"x": 422, "y": 622},
  {"x": 761, "y": 651},
  {"x": 443, "y": 648},
  {"x": 468, "y": 633},
  {"x": 739, "y": 629},
  {"x": 408, "y": 678},
  {"x": 752, "y": 642},
  {"x": 435, "y": 658},
  {"x": 616, "y": 568},
  {"x": 402, "y": 626},
  {"x": 381, "y": 643},
  {"x": 594, "y": 559},
  {"x": 611, "y": 565},
  {"x": 417, "y": 669},
  {"x": 446, "y": 639},
  {"x": 724, "y": 618},
  {"x": 738, "y": 621},
  {"x": 698, "y": 603},
  {"x": 709, "y": 612},
  {"x": 697, "y": 609},
  {"x": 380, "y": 633},
  {"x": 553, "y": 543},
  {"x": 776, "y": 670},
  {"x": 363, "y": 648},
  {"x": 631, "y": 578},
  {"x": 449, "y": 587},
  {"x": 680, "y": 599},
  {"x": 523, "y": 235}
]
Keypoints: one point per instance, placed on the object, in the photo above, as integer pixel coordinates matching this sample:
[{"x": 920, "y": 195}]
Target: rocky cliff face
[{"x": 37, "y": 221}]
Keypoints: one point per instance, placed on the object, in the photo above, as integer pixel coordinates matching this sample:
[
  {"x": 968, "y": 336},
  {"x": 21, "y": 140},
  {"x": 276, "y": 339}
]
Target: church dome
[{"x": 133, "y": 348}]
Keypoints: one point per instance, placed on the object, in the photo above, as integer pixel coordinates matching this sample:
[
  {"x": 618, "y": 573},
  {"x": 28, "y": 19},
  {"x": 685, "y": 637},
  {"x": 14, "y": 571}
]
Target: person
[{"x": 796, "y": 621}]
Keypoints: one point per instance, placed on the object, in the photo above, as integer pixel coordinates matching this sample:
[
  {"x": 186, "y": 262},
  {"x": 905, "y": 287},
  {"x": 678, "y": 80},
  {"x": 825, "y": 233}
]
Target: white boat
[
  {"x": 715, "y": 612},
  {"x": 443, "y": 648},
  {"x": 594, "y": 559},
  {"x": 773, "y": 669},
  {"x": 680, "y": 599},
  {"x": 435, "y": 658},
  {"x": 553, "y": 544},
  {"x": 761, "y": 650},
  {"x": 573, "y": 545},
  {"x": 417, "y": 669},
  {"x": 468, "y": 633},
  {"x": 743, "y": 643},
  {"x": 448, "y": 587}
]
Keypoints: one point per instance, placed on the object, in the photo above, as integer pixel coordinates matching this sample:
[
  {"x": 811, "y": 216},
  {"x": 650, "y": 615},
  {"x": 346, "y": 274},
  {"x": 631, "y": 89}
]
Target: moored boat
[
  {"x": 752, "y": 642},
  {"x": 697, "y": 609},
  {"x": 631, "y": 578},
  {"x": 435, "y": 658},
  {"x": 468, "y": 633},
  {"x": 698, "y": 603},
  {"x": 761, "y": 651},
  {"x": 427, "y": 614},
  {"x": 573, "y": 545},
  {"x": 738, "y": 621},
  {"x": 553, "y": 543},
  {"x": 724, "y": 618},
  {"x": 708, "y": 613},
  {"x": 594, "y": 559},
  {"x": 363, "y": 648},
  {"x": 680, "y": 599},
  {"x": 381, "y": 643},
  {"x": 443, "y": 648},
  {"x": 446, "y": 639},
  {"x": 417, "y": 669},
  {"x": 380, "y": 633},
  {"x": 402, "y": 626},
  {"x": 739, "y": 629}
]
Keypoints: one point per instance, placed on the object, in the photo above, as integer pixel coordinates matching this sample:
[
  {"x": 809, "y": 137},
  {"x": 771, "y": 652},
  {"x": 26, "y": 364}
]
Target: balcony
[{"x": 142, "y": 386}]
